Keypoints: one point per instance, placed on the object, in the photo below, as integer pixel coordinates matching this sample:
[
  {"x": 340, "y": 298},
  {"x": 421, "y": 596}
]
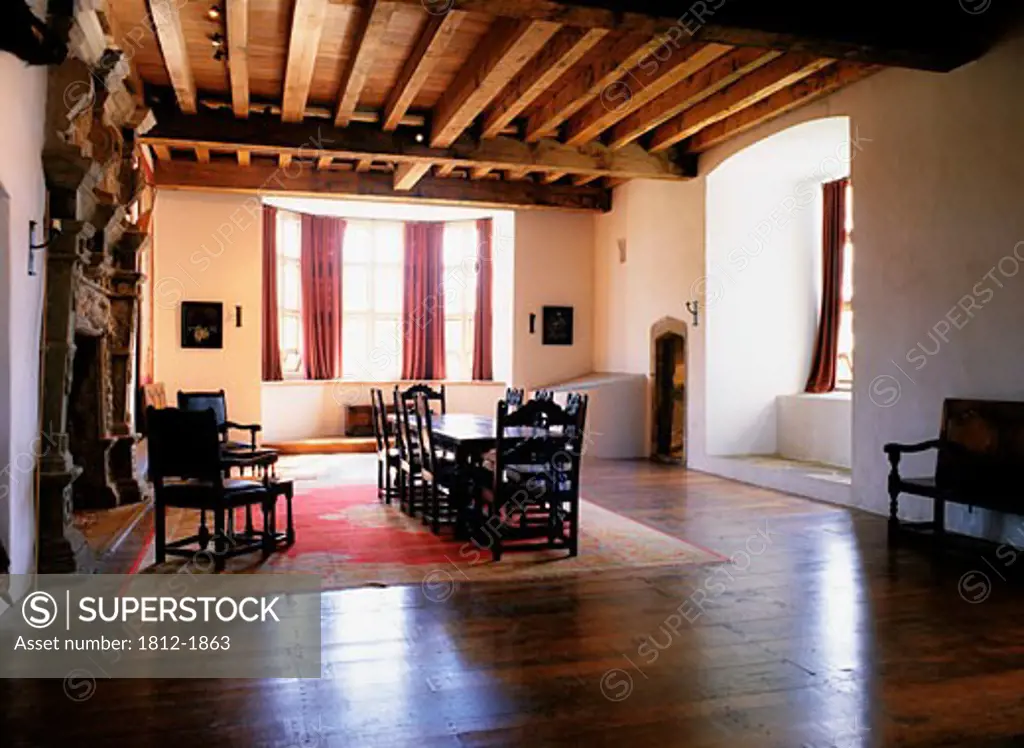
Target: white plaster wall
[
  {"x": 295, "y": 410},
  {"x": 611, "y": 431},
  {"x": 763, "y": 254},
  {"x": 816, "y": 428},
  {"x": 937, "y": 172},
  {"x": 21, "y": 180}
]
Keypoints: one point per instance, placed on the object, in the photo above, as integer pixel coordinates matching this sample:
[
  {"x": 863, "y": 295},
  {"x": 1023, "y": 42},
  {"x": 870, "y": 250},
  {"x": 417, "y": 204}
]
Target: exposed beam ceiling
[
  {"x": 408, "y": 174},
  {"x": 304, "y": 179},
  {"x": 607, "y": 63},
  {"x": 702, "y": 84},
  {"x": 566, "y": 49},
  {"x": 167, "y": 22},
  {"x": 429, "y": 49},
  {"x": 762, "y": 83},
  {"x": 369, "y": 44},
  {"x": 825, "y": 82},
  {"x": 307, "y": 25},
  {"x": 642, "y": 85},
  {"x": 238, "y": 55},
  {"x": 365, "y": 142},
  {"x": 509, "y": 45}
]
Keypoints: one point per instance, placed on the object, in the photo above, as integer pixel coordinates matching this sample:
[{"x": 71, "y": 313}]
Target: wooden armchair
[
  {"x": 529, "y": 500},
  {"x": 979, "y": 462},
  {"x": 185, "y": 468},
  {"x": 217, "y": 402}
]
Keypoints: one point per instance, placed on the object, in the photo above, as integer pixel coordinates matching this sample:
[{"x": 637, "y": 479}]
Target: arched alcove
[{"x": 668, "y": 391}]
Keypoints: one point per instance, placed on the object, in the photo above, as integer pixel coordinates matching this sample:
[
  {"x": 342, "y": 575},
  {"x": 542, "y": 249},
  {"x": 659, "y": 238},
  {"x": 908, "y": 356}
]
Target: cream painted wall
[
  {"x": 554, "y": 266},
  {"x": 22, "y": 194},
  {"x": 938, "y": 192},
  {"x": 207, "y": 247}
]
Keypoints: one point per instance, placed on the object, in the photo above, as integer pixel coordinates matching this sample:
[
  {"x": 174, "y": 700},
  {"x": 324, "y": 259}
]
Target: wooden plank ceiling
[{"x": 485, "y": 101}]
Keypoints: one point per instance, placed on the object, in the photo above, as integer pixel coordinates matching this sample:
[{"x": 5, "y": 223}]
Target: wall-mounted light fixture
[
  {"x": 693, "y": 307},
  {"x": 55, "y": 228},
  {"x": 214, "y": 13}
]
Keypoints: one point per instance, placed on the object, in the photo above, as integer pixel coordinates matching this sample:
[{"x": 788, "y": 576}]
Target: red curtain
[
  {"x": 423, "y": 302},
  {"x": 322, "y": 237},
  {"x": 271, "y": 333},
  {"x": 826, "y": 343},
  {"x": 483, "y": 357}
]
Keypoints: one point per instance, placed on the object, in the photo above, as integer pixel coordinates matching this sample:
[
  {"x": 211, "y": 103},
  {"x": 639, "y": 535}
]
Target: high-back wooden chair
[
  {"x": 387, "y": 452},
  {"x": 217, "y": 402},
  {"x": 410, "y": 478},
  {"x": 433, "y": 396},
  {"x": 437, "y": 471},
  {"x": 514, "y": 397},
  {"x": 185, "y": 468},
  {"x": 531, "y": 499},
  {"x": 544, "y": 395}
]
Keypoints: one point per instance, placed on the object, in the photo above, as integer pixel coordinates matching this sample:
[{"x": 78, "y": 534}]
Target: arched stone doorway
[{"x": 668, "y": 391}]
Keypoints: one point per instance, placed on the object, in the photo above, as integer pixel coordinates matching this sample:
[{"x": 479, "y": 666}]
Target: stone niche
[{"x": 92, "y": 296}]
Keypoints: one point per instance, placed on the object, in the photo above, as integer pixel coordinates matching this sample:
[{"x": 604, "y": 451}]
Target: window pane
[
  {"x": 358, "y": 242},
  {"x": 386, "y": 355},
  {"x": 388, "y": 289},
  {"x": 453, "y": 335},
  {"x": 355, "y": 347},
  {"x": 291, "y": 362},
  {"x": 289, "y": 235},
  {"x": 291, "y": 332},
  {"x": 356, "y": 282},
  {"x": 390, "y": 242},
  {"x": 290, "y": 286}
]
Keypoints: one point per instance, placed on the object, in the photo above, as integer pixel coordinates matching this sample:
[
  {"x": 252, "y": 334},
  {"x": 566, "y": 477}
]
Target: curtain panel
[
  {"x": 483, "y": 354},
  {"x": 271, "y": 339},
  {"x": 322, "y": 238},
  {"x": 423, "y": 346},
  {"x": 826, "y": 343}
]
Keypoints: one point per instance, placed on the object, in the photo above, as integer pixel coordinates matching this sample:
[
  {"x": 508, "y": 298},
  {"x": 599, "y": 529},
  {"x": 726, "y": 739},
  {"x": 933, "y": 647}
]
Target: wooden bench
[{"x": 980, "y": 463}]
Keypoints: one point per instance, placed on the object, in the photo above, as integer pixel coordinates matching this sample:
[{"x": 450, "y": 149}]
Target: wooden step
[{"x": 329, "y": 445}]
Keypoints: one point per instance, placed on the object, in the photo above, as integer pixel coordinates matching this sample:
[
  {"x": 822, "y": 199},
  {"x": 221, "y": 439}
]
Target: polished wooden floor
[{"x": 812, "y": 634}]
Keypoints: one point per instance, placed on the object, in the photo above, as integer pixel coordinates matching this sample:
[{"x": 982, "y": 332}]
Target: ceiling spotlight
[
  {"x": 217, "y": 40},
  {"x": 419, "y": 137},
  {"x": 214, "y": 13}
]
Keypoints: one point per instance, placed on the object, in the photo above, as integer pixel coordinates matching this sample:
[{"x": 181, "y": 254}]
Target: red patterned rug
[{"x": 349, "y": 539}]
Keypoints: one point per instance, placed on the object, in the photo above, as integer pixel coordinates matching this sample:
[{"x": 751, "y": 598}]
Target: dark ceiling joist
[
  {"x": 304, "y": 179},
  {"x": 359, "y": 141},
  {"x": 935, "y": 35}
]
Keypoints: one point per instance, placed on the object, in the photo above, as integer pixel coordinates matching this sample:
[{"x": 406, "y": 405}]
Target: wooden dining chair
[
  {"x": 410, "y": 476},
  {"x": 514, "y": 397},
  {"x": 387, "y": 454},
  {"x": 186, "y": 472},
  {"x": 217, "y": 402},
  {"x": 544, "y": 395},
  {"x": 530, "y": 499},
  {"x": 438, "y": 474},
  {"x": 434, "y": 396}
]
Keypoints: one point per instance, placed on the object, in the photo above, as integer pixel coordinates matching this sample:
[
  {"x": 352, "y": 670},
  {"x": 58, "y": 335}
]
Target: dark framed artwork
[
  {"x": 557, "y": 325},
  {"x": 202, "y": 324}
]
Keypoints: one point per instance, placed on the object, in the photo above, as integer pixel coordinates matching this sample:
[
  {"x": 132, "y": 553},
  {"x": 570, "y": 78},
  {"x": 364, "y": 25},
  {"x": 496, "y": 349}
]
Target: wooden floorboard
[{"x": 812, "y": 634}]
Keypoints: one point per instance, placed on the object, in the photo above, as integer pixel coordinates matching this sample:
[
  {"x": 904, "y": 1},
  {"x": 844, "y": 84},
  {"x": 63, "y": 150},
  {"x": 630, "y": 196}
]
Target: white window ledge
[{"x": 834, "y": 395}]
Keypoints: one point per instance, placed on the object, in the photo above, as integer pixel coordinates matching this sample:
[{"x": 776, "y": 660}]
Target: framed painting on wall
[
  {"x": 202, "y": 324},
  {"x": 557, "y": 325}
]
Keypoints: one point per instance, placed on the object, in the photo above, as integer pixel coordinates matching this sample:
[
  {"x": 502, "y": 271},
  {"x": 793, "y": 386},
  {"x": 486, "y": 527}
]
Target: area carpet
[{"x": 350, "y": 539}]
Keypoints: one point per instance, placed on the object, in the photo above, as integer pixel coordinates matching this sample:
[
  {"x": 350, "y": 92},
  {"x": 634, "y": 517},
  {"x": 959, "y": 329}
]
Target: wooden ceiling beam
[
  {"x": 368, "y": 46},
  {"x": 429, "y": 49},
  {"x": 203, "y": 155},
  {"x": 167, "y": 21},
  {"x": 304, "y": 179},
  {"x": 498, "y": 58},
  {"x": 407, "y": 175},
  {"x": 607, "y": 62},
  {"x": 304, "y": 42},
  {"x": 163, "y": 152},
  {"x": 648, "y": 80},
  {"x": 864, "y": 31},
  {"x": 762, "y": 83},
  {"x": 721, "y": 73},
  {"x": 262, "y": 134},
  {"x": 566, "y": 49},
  {"x": 238, "y": 55},
  {"x": 822, "y": 83}
]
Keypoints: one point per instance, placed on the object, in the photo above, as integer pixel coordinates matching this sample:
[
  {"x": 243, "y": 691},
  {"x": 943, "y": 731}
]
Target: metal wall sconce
[
  {"x": 55, "y": 228},
  {"x": 693, "y": 307}
]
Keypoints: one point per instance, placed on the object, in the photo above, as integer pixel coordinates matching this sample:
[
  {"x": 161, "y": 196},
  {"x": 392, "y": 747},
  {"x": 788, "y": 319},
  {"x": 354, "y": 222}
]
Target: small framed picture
[
  {"x": 557, "y": 325},
  {"x": 202, "y": 324}
]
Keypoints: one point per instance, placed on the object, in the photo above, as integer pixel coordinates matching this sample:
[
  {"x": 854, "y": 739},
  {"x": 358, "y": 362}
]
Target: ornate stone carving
[{"x": 92, "y": 311}]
